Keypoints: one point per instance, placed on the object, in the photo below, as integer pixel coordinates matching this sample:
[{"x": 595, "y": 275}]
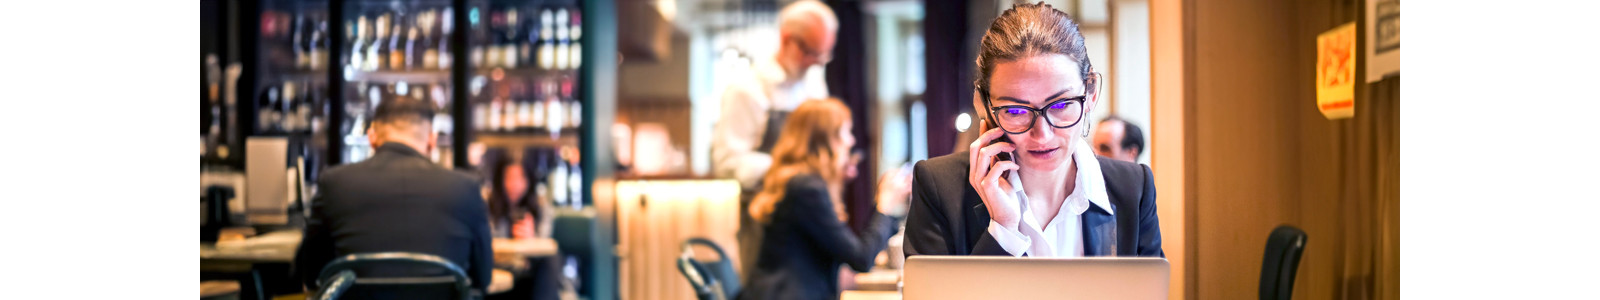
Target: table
[
  {"x": 500, "y": 281},
  {"x": 880, "y": 279},
  {"x": 242, "y": 257},
  {"x": 869, "y": 295},
  {"x": 534, "y": 247}
]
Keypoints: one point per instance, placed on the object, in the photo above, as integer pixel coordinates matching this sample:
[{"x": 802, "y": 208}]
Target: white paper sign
[{"x": 1383, "y": 38}]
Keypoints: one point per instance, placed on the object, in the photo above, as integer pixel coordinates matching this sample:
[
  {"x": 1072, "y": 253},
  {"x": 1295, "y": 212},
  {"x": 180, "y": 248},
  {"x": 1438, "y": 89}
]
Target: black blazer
[
  {"x": 397, "y": 200},
  {"x": 805, "y": 243},
  {"x": 948, "y": 218}
]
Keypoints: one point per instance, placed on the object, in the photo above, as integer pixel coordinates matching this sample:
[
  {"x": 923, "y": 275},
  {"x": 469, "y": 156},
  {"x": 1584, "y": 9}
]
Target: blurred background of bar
[{"x": 595, "y": 96}]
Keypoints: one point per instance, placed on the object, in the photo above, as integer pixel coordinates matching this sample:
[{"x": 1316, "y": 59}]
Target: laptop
[{"x": 999, "y": 277}]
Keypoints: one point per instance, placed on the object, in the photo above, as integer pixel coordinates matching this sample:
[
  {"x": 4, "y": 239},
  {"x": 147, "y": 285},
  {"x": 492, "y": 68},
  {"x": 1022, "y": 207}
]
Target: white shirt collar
[{"x": 1090, "y": 185}]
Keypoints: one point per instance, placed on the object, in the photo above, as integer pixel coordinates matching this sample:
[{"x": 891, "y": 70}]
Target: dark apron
[{"x": 750, "y": 231}]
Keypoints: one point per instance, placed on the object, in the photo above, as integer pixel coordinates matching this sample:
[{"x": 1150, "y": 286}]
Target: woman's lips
[{"x": 1043, "y": 154}]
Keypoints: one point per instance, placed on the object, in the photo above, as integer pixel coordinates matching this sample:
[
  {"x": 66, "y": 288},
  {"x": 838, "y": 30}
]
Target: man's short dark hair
[
  {"x": 1131, "y": 135},
  {"x": 403, "y": 110}
]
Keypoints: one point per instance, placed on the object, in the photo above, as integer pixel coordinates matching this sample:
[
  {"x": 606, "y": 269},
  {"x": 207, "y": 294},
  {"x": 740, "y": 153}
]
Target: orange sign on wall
[{"x": 1336, "y": 72}]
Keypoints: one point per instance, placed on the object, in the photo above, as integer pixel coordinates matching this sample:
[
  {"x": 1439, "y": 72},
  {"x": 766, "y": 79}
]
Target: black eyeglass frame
[
  {"x": 1091, "y": 82},
  {"x": 1034, "y": 114}
]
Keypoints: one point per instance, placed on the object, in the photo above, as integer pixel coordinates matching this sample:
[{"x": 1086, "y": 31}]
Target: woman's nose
[{"x": 1041, "y": 129}]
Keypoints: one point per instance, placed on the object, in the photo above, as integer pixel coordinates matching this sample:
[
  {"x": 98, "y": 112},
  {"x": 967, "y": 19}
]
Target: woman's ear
[
  {"x": 1094, "y": 85},
  {"x": 981, "y": 114}
]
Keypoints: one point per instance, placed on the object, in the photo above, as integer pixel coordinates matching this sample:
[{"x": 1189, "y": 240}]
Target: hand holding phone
[{"x": 990, "y": 164}]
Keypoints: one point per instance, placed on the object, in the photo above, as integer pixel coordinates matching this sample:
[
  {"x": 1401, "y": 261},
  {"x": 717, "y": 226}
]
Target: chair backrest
[
  {"x": 720, "y": 269},
  {"x": 575, "y": 232},
  {"x": 1281, "y": 261},
  {"x": 705, "y": 288},
  {"x": 357, "y": 276}
]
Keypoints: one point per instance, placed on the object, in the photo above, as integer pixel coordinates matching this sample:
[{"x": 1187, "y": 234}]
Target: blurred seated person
[
  {"x": 516, "y": 213},
  {"x": 1030, "y": 185},
  {"x": 1117, "y": 139},
  {"x": 397, "y": 201},
  {"x": 806, "y": 236}
]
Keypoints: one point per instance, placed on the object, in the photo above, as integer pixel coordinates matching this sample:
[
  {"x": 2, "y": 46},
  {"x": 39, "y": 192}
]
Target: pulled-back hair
[{"x": 1027, "y": 30}]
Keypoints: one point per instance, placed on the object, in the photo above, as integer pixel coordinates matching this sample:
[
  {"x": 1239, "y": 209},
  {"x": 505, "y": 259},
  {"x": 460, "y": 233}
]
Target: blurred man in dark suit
[
  {"x": 398, "y": 201},
  {"x": 1117, "y": 139}
]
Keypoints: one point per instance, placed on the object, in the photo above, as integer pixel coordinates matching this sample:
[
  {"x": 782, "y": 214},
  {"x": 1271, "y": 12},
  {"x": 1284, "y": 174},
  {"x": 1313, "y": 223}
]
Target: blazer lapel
[
  {"x": 978, "y": 225},
  {"x": 1099, "y": 232}
]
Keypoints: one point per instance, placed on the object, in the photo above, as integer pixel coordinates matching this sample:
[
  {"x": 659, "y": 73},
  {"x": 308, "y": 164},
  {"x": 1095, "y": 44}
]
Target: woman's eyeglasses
[{"x": 1018, "y": 119}]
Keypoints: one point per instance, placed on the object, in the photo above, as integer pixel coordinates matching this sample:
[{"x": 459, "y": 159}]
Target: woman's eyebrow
[{"x": 1046, "y": 99}]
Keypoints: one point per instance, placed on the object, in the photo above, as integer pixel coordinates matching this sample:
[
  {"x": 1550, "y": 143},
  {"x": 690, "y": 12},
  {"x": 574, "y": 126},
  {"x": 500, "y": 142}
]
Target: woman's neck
[{"x": 1050, "y": 186}]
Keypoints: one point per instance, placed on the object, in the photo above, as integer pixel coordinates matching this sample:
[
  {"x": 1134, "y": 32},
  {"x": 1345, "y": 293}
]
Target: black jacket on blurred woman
[
  {"x": 805, "y": 244},
  {"x": 397, "y": 200}
]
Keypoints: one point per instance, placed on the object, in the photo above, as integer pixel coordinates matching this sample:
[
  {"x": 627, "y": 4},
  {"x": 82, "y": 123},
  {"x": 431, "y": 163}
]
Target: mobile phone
[{"x": 1002, "y": 156}]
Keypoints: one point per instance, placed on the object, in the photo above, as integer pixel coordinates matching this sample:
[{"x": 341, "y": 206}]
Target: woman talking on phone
[{"x": 1031, "y": 185}]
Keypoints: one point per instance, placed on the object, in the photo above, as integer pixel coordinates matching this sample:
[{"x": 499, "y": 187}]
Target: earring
[{"x": 1086, "y": 129}]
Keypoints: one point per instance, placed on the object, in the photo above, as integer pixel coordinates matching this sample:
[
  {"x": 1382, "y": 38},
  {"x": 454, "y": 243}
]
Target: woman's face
[
  {"x": 842, "y": 145},
  {"x": 516, "y": 182},
  {"x": 1034, "y": 82}
]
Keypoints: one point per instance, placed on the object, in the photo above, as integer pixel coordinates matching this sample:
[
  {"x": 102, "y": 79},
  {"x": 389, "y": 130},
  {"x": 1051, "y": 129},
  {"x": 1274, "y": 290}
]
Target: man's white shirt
[{"x": 746, "y": 103}]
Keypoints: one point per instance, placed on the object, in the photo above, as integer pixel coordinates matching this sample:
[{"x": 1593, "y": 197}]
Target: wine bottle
[
  {"x": 298, "y": 38},
  {"x": 378, "y": 52},
  {"x": 413, "y": 57},
  {"x": 508, "y": 43},
  {"x": 496, "y": 110},
  {"x": 397, "y": 44},
  {"x": 575, "y": 52},
  {"x": 546, "y": 34},
  {"x": 357, "y": 48},
  {"x": 491, "y": 53},
  {"x": 561, "y": 59},
  {"x": 284, "y": 119},
  {"x": 446, "y": 22},
  {"x": 319, "y": 46},
  {"x": 430, "y": 56},
  {"x": 526, "y": 39}
]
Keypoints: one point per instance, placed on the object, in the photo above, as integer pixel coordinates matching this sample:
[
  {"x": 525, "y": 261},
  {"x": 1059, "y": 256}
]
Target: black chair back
[
  {"x": 710, "y": 279},
  {"x": 704, "y": 287},
  {"x": 1281, "y": 261},
  {"x": 393, "y": 275}
]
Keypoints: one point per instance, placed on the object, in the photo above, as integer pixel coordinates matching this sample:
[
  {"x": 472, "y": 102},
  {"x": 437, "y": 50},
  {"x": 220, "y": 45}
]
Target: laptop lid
[{"x": 999, "y": 277}]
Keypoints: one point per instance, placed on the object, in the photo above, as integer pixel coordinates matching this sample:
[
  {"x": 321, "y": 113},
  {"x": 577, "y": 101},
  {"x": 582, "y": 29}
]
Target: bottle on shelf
[
  {"x": 575, "y": 52},
  {"x": 527, "y": 38},
  {"x": 525, "y": 107},
  {"x": 319, "y": 46},
  {"x": 358, "y": 44},
  {"x": 265, "y": 114},
  {"x": 561, "y": 51},
  {"x": 213, "y": 130},
  {"x": 298, "y": 38},
  {"x": 445, "y": 24},
  {"x": 479, "y": 35},
  {"x": 574, "y": 177},
  {"x": 284, "y": 118},
  {"x": 546, "y": 35},
  {"x": 508, "y": 43},
  {"x": 378, "y": 52},
  {"x": 537, "y": 107},
  {"x": 397, "y": 44},
  {"x": 429, "y": 21},
  {"x": 490, "y": 48},
  {"x": 557, "y": 181},
  {"x": 413, "y": 56},
  {"x": 496, "y": 112}
]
